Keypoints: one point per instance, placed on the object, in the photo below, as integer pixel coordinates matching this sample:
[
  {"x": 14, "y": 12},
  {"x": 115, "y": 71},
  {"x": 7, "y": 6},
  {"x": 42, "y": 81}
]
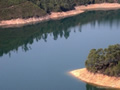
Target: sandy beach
[
  {"x": 59, "y": 15},
  {"x": 96, "y": 79}
]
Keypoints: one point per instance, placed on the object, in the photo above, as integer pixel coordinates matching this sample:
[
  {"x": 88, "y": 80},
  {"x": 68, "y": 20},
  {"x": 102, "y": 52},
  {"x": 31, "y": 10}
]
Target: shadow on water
[
  {"x": 93, "y": 87},
  {"x": 13, "y": 38}
]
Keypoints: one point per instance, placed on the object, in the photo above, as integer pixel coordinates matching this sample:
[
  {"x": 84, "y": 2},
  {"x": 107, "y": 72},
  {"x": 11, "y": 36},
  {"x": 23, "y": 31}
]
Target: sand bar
[
  {"x": 59, "y": 15},
  {"x": 96, "y": 79}
]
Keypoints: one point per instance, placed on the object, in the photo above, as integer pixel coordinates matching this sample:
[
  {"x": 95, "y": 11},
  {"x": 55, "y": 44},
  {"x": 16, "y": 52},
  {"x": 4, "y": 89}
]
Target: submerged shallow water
[{"x": 39, "y": 57}]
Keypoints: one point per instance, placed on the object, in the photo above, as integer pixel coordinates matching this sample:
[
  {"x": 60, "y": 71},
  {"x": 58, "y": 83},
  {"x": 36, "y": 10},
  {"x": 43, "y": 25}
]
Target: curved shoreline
[
  {"x": 96, "y": 79},
  {"x": 58, "y": 15}
]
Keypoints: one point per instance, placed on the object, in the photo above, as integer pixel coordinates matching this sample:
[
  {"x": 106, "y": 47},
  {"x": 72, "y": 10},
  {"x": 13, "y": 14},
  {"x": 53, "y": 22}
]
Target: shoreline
[
  {"x": 59, "y": 15},
  {"x": 96, "y": 79}
]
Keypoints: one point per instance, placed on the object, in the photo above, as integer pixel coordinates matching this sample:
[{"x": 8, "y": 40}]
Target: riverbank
[
  {"x": 96, "y": 79},
  {"x": 59, "y": 15}
]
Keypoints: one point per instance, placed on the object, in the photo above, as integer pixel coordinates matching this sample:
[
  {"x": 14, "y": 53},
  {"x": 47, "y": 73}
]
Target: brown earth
[{"x": 96, "y": 79}]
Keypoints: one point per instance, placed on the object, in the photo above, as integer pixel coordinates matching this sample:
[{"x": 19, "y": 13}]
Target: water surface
[{"x": 39, "y": 57}]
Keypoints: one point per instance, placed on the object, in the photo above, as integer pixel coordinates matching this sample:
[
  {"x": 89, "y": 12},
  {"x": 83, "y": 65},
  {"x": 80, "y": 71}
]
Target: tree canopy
[
  {"x": 65, "y": 5},
  {"x": 105, "y": 61}
]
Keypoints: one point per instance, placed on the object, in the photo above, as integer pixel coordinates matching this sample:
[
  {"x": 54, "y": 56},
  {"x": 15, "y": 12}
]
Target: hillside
[{"x": 12, "y": 9}]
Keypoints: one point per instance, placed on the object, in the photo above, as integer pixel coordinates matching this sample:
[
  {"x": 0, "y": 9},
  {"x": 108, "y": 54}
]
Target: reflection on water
[
  {"x": 55, "y": 47},
  {"x": 90, "y": 87},
  {"x": 12, "y": 38},
  {"x": 93, "y": 87}
]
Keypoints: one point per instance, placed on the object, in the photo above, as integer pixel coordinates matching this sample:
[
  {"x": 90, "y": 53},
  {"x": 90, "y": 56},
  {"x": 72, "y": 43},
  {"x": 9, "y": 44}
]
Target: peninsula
[
  {"x": 22, "y": 12},
  {"x": 96, "y": 79},
  {"x": 102, "y": 67}
]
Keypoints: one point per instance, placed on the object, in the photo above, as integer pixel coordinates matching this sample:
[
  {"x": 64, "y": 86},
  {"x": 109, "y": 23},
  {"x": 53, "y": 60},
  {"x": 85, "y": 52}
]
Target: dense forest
[
  {"x": 65, "y": 5},
  {"x": 105, "y": 61},
  {"x": 10, "y": 9}
]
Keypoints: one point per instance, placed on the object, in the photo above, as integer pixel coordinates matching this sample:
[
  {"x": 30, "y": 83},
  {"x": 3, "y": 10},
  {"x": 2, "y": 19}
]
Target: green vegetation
[
  {"x": 65, "y": 5},
  {"x": 10, "y": 9},
  {"x": 105, "y": 61}
]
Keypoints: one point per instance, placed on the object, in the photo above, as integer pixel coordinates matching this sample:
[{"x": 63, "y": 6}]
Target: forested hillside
[
  {"x": 10, "y": 9},
  {"x": 105, "y": 61},
  {"x": 64, "y": 5}
]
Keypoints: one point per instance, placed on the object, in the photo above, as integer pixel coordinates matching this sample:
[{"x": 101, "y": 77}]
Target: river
[{"x": 39, "y": 57}]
